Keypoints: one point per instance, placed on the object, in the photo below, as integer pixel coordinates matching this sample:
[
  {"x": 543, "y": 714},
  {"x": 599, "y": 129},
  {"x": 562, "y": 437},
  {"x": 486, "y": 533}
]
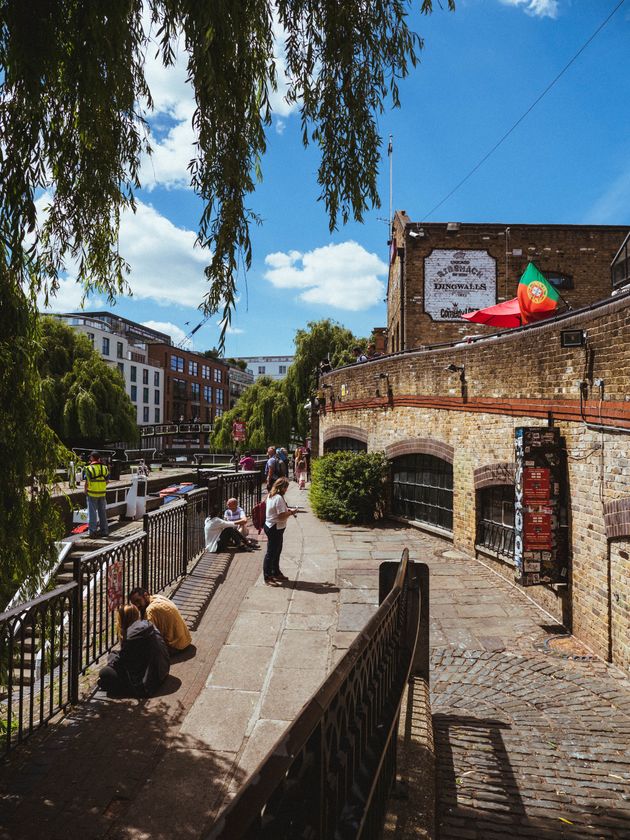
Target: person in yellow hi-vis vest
[{"x": 95, "y": 486}]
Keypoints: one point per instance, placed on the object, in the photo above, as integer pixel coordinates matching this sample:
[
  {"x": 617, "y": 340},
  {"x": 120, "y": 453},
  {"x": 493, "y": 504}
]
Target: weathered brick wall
[
  {"x": 522, "y": 378},
  {"x": 579, "y": 251}
]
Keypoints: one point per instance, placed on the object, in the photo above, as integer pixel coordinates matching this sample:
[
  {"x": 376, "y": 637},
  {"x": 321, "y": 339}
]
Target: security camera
[{"x": 416, "y": 233}]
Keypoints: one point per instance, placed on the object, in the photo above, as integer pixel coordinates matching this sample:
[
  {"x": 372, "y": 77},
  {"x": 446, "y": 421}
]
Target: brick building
[
  {"x": 195, "y": 393},
  {"x": 439, "y": 271},
  {"x": 447, "y": 420}
]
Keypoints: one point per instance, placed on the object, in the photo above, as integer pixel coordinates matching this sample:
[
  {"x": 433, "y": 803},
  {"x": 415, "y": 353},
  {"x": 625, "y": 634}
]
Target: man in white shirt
[
  {"x": 236, "y": 515},
  {"x": 220, "y": 534}
]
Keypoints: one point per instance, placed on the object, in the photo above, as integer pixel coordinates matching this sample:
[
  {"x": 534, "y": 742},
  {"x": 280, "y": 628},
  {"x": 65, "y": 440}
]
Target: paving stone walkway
[{"x": 527, "y": 745}]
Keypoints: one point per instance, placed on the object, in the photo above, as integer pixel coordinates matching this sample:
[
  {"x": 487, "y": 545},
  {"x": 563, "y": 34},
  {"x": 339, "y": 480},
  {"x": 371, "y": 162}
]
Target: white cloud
[
  {"x": 538, "y": 8},
  {"x": 612, "y": 206},
  {"x": 230, "y": 330},
  {"x": 280, "y": 126},
  {"x": 344, "y": 276},
  {"x": 166, "y": 265},
  {"x": 176, "y": 333}
]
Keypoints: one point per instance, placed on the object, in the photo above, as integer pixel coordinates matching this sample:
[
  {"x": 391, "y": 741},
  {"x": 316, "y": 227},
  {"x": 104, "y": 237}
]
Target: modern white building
[
  {"x": 274, "y": 366},
  {"x": 118, "y": 343}
]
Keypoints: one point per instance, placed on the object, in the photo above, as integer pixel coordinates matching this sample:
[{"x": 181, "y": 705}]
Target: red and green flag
[{"x": 537, "y": 298}]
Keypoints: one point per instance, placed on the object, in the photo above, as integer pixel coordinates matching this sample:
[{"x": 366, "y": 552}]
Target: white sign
[{"x": 458, "y": 282}]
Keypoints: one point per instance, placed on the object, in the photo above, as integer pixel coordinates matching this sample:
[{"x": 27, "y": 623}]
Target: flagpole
[{"x": 390, "y": 154}]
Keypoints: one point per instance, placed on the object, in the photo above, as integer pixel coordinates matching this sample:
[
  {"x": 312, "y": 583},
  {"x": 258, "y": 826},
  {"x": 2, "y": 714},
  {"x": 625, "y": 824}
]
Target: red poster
[
  {"x": 536, "y": 485},
  {"x": 239, "y": 430},
  {"x": 114, "y": 586},
  {"x": 537, "y": 531}
]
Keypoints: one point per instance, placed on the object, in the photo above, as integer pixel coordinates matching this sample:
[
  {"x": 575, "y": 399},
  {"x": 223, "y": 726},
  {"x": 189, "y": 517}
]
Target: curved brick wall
[{"x": 522, "y": 377}]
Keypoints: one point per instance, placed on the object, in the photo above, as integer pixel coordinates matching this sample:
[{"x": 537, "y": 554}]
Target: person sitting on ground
[
  {"x": 236, "y": 516},
  {"x": 142, "y": 664},
  {"x": 247, "y": 462},
  {"x": 221, "y": 534},
  {"x": 163, "y": 613}
]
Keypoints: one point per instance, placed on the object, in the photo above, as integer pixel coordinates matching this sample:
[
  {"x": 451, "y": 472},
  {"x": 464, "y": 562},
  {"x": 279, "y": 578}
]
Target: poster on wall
[
  {"x": 540, "y": 507},
  {"x": 457, "y": 282}
]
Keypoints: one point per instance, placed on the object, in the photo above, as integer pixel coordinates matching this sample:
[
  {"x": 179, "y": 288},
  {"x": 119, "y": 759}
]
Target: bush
[{"x": 349, "y": 487}]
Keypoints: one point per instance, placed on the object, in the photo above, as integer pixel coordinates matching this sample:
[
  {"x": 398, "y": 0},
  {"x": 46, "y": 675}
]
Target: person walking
[
  {"x": 300, "y": 467},
  {"x": 272, "y": 468},
  {"x": 95, "y": 486},
  {"x": 276, "y": 517}
]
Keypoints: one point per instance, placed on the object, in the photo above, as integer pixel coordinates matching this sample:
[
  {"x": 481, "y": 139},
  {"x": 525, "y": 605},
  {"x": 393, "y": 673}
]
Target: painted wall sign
[{"x": 457, "y": 282}]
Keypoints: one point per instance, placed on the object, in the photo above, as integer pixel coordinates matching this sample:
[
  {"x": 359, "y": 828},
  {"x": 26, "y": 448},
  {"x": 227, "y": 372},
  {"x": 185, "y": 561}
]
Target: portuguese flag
[{"x": 537, "y": 298}]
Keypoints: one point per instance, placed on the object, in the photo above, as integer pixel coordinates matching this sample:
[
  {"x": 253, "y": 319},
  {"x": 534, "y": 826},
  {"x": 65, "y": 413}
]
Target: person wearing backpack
[{"x": 272, "y": 468}]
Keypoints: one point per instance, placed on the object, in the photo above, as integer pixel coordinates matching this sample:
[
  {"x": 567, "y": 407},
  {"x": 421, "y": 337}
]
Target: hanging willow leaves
[
  {"x": 73, "y": 90},
  {"x": 265, "y": 409}
]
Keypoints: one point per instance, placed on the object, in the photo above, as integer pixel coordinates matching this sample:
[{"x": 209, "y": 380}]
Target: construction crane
[{"x": 187, "y": 338}]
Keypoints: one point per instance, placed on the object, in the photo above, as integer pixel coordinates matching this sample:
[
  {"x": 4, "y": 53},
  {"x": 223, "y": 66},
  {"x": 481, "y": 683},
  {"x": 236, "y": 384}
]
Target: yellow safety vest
[{"x": 96, "y": 475}]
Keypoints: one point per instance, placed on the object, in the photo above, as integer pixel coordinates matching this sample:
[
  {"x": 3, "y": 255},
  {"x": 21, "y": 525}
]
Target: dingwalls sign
[{"x": 458, "y": 282}]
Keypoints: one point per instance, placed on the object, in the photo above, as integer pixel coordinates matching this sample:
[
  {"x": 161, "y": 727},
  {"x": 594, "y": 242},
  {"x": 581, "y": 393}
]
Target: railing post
[
  {"x": 77, "y": 631},
  {"x": 185, "y": 538},
  {"x": 144, "y": 572},
  {"x": 220, "y": 500},
  {"x": 421, "y": 663}
]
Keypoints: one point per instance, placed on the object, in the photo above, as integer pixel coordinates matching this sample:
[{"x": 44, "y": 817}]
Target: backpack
[{"x": 259, "y": 514}]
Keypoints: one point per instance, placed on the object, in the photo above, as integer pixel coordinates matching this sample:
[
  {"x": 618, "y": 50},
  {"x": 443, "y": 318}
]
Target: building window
[
  {"x": 218, "y": 412},
  {"x": 217, "y": 375},
  {"x": 145, "y": 376},
  {"x": 156, "y": 397},
  {"x": 423, "y": 489},
  {"x": 218, "y": 396},
  {"x": 193, "y": 368},
  {"x": 207, "y": 393},
  {"x": 145, "y": 395},
  {"x": 121, "y": 368},
  {"x": 145, "y": 414},
  {"x": 91, "y": 338},
  {"x": 495, "y": 524},
  {"x": 261, "y": 368},
  {"x": 156, "y": 378},
  {"x": 344, "y": 444},
  {"x": 559, "y": 280},
  {"x": 134, "y": 373},
  {"x": 156, "y": 415},
  {"x": 105, "y": 346},
  {"x": 179, "y": 389},
  {"x": 134, "y": 393},
  {"x": 282, "y": 368},
  {"x": 205, "y": 372},
  {"x": 620, "y": 267},
  {"x": 177, "y": 363},
  {"x": 119, "y": 349},
  {"x": 194, "y": 390}
]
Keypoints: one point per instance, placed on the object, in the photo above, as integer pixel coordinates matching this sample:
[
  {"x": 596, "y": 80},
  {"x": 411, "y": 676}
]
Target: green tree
[
  {"x": 324, "y": 339},
  {"x": 30, "y": 452},
  {"x": 85, "y": 398},
  {"x": 74, "y": 98},
  {"x": 265, "y": 409}
]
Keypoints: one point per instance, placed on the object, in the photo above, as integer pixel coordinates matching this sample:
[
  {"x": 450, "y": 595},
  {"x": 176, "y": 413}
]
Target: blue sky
[{"x": 481, "y": 68}]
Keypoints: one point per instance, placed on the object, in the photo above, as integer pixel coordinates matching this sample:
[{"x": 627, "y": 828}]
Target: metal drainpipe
[{"x": 402, "y": 297}]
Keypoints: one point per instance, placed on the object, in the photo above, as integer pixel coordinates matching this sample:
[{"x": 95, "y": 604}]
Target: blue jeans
[
  {"x": 97, "y": 516},
  {"x": 271, "y": 563}
]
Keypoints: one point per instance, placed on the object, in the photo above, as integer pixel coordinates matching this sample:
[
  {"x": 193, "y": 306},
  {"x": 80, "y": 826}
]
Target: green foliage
[
  {"x": 73, "y": 99},
  {"x": 30, "y": 451},
  {"x": 86, "y": 401},
  {"x": 239, "y": 363},
  {"x": 265, "y": 409},
  {"x": 325, "y": 339},
  {"x": 349, "y": 487}
]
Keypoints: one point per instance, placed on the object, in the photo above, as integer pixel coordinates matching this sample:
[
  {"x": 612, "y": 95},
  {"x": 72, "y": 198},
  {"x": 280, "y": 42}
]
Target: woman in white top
[{"x": 275, "y": 522}]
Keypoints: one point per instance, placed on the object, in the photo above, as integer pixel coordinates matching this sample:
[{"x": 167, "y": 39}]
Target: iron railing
[
  {"x": 48, "y": 642},
  {"x": 331, "y": 773},
  {"x": 496, "y": 537},
  {"x": 36, "y": 663}
]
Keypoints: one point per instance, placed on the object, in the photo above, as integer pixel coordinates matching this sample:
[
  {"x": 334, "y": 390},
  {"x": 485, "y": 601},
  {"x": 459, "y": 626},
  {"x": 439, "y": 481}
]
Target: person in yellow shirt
[{"x": 163, "y": 613}]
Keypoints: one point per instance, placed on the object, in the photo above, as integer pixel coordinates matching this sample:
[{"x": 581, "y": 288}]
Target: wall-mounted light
[
  {"x": 455, "y": 368},
  {"x": 572, "y": 338}
]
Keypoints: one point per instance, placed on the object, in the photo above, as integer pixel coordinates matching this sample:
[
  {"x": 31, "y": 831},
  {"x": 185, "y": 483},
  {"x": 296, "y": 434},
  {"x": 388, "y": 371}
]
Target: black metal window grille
[
  {"x": 495, "y": 524},
  {"x": 344, "y": 444},
  {"x": 422, "y": 489}
]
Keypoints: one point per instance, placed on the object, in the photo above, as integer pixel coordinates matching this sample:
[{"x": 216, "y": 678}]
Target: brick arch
[
  {"x": 355, "y": 432},
  {"x": 491, "y": 475},
  {"x": 617, "y": 518},
  {"x": 421, "y": 446}
]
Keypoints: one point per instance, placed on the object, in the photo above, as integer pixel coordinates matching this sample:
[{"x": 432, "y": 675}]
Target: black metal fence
[
  {"x": 331, "y": 773},
  {"x": 498, "y": 538},
  {"x": 47, "y": 643}
]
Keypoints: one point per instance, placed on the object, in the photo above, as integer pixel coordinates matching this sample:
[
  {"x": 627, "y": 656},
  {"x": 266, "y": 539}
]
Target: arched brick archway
[
  {"x": 355, "y": 432},
  {"x": 421, "y": 446},
  {"x": 492, "y": 475}
]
